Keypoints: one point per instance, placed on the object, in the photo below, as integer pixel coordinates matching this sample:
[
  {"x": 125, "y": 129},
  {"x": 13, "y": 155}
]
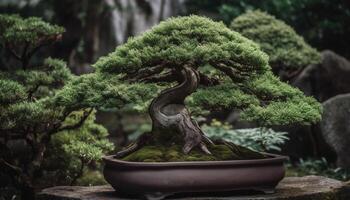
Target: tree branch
[
  {"x": 166, "y": 77},
  {"x": 240, "y": 66},
  {"x": 31, "y": 92},
  {"x": 234, "y": 75},
  {"x": 207, "y": 81},
  {"x": 77, "y": 125},
  {"x": 12, "y": 52},
  {"x": 35, "y": 49},
  {"x": 48, "y": 42},
  {"x": 12, "y": 168},
  {"x": 24, "y": 58},
  {"x": 145, "y": 72},
  {"x": 25, "y": 49}
]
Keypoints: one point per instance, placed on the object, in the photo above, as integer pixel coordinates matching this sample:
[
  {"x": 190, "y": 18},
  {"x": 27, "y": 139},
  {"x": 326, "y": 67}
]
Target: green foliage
[
  {"x": 281, "y": 103},
  {"x": 88, "y": 143},
  {"x": 298, "y": 110},
  {"x": 28, "y": 94},
  {"x": 323, "y": 23},
  {"x": 75, "y": 150},
  {"x": 221, "y": 97},
  {"x": 106, "y": 91},
  {"x": 319, "y": 167},
  {"x": 40, "y": 81},
  {"x": 11, "y": 91},
  {"x": 31, "y": 30},
  {"x": 284, "y": 46},
  {"x": 181, "y": 40},
  {"x": 269, "y": 87},
  {"x": 245, "y": 79},
  {"x": 30, "y": 112},
  {"x": 265, "y": 100},
  {"x": 258, "y": 139},
  {"x": 91, "y": 178}
]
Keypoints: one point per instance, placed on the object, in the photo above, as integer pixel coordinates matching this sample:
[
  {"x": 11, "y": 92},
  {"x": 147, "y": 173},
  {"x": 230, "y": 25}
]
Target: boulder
[
  {"x": 291, "y": 188},
  {"x": 335, "y": 127},
  {"x": 323, "y": 81},
  {"x": 327, "y": 79}
]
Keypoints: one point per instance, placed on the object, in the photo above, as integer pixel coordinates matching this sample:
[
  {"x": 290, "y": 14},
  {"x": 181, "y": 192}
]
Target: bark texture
[{"x": 168, "y": 112}]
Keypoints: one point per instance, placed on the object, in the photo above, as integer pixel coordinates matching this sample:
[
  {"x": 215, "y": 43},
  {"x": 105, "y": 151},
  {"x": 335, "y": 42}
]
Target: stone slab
[{"x": 290, "y": 188}]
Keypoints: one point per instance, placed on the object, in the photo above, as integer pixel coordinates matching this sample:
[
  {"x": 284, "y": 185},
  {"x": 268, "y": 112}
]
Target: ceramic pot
[{"x": 155, "y": 180}]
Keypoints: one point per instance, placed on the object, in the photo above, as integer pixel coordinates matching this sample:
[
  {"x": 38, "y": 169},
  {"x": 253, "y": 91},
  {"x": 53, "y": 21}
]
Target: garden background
[{"x": 96, "y": 27}]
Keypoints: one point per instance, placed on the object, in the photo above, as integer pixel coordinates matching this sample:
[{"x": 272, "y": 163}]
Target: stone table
[{"x": 290, "y": 188}]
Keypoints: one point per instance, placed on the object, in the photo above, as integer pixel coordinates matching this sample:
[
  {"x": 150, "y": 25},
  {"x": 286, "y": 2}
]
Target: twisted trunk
[{"x": 169, "y": 114}]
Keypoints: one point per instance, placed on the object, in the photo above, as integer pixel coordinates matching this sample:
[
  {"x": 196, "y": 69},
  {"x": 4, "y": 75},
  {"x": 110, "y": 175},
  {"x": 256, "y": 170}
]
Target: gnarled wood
[
  {"x": 168, "y": 111},
  {"x": 169, "y": 114}
]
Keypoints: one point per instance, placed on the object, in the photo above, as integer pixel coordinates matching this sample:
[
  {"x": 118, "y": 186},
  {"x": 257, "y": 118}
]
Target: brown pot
[{"x": 157, "y": 180}]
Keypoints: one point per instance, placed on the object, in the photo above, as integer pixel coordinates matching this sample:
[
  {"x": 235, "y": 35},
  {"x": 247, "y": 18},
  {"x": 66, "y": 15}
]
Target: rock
[
  {"x": 322, "y": 81},
  {"x": 291, "y": 188},
  {"x": 327, "y": 79},
  {"x": 335, "y": 127}
]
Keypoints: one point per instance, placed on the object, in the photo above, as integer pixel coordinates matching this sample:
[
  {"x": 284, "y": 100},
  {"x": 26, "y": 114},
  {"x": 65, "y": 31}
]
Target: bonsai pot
[{"x": 157, "y": 180}]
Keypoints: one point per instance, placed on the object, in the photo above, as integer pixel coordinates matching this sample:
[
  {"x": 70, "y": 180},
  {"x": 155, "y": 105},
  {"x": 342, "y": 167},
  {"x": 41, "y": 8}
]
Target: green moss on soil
[{"x": 173, "y": 153}]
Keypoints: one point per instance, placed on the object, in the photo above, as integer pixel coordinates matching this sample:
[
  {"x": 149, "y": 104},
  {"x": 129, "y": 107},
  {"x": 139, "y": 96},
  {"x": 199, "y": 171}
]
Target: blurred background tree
[
  {"x": 288, "y": 53},
  {"x": 31, "y": 124},
  {"x": 93, "y": 27},
  {"x": 322, "y": 23}
]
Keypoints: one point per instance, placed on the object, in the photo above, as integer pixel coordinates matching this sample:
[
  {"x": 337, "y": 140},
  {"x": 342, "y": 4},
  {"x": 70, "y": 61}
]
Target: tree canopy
[
  {"x": 31, "y": 30},
  {"x": 284, "y": 46},
  {"x": 233, "y": 70},
  {"x": 22, "y": 38},
  {"x": 193, "y": 40},
  {"x": 29, "y": 111}
]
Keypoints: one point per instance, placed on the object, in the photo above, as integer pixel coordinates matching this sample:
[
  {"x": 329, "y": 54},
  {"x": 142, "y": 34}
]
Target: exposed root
[
  {"x": 129, "y": 150},
  {"x": 204, "y": 148},
  {"x": 140, "y": 142}
]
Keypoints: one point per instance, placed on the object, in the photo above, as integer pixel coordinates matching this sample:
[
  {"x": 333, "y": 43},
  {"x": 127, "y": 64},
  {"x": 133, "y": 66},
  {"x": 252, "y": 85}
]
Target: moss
[
  {"x": 146, "y": 154},
  {"x": 91, "y": 178},
  {"x": 173, "y": 153}
]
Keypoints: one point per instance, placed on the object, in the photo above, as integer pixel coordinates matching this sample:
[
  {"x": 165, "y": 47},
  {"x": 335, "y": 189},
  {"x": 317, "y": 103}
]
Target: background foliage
[
  {"x": 258, "y": 139},
  {"x": 286, "y": 49},
  {"x": 322, "y": 23},
  {"x": 38, "y": 135}
]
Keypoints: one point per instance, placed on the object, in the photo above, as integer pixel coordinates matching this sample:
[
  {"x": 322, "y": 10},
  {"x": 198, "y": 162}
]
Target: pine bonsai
[
  {"x": 209, "y": 67},
  {"x": 286, "y": 49},
  {"x": 29, "y": 115}
]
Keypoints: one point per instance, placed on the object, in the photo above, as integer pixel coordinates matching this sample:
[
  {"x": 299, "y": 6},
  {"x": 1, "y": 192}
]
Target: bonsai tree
[
  {"x": 287, "y": 50},
  {"x": 206, "y": 66},
  {"x": 29, "y": 115}
]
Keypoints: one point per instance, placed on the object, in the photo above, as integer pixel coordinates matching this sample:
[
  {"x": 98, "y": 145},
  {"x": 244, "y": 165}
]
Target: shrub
[
  {"x": 258, "y": 139},
  {"x": 284, "y": 46},
  {"x": 29, "y": 114}
]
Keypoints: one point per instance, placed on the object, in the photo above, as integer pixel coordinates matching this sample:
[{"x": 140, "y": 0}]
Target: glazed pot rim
[{"x": 272, "y": 159}]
